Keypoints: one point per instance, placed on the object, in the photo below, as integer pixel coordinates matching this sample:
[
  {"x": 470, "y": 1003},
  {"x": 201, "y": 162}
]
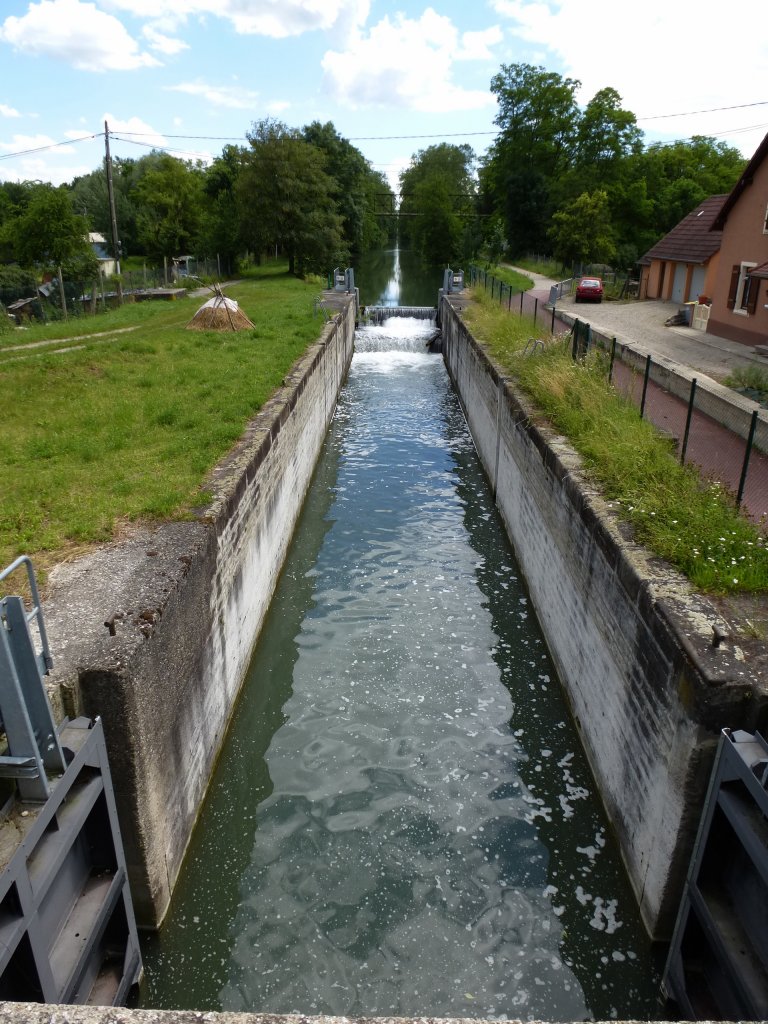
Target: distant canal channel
[{"x": 402, "y": 821}]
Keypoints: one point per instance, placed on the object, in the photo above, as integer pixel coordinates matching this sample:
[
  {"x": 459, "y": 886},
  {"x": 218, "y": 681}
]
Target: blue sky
[{"x": 166, "y": 70}]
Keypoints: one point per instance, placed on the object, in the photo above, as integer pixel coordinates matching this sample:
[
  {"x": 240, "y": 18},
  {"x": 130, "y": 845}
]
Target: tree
[
  {"x": 438, "y": 201},
  {"x": 90, "y": 197},
  {"x": 537, "y": 118},
  {"x": 46, "y": 232},
  {"x": 169, "y": 202},
  {"x": 581, "y": 232},
  {"x": 359, "y": 187},
  {"x": 220, "y": 228},
  {"x": 287, "y": 201}
]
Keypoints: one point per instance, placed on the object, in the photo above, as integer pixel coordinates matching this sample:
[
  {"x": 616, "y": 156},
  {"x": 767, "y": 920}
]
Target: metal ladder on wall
[
  {"x": 67, "y": 927},
  {"x": 33, "y": 743}
]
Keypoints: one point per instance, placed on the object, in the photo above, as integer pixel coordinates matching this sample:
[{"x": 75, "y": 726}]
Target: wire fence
[{"x": 724, "y": 436}]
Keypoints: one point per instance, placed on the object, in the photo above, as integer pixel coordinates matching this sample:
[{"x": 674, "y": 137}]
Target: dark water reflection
[{"x": 397, "y": 277}]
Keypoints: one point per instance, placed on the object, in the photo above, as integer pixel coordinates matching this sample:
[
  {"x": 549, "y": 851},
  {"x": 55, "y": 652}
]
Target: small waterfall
[
  {"x": 399, "y": 331},
  {"x": 378, "y": 314}
]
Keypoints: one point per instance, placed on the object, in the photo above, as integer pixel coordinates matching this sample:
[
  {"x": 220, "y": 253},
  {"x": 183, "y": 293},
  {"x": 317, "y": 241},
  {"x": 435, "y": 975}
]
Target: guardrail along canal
[{"x": 402, "y": 821}]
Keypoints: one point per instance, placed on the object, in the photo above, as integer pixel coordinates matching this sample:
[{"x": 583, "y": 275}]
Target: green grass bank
[
  {"x": 690, "y": 523},
  {"x": 125, "y": 423}
]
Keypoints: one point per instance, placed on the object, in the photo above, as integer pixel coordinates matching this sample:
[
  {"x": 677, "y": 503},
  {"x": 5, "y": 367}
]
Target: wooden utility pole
[{"x": 112, "y": 212}]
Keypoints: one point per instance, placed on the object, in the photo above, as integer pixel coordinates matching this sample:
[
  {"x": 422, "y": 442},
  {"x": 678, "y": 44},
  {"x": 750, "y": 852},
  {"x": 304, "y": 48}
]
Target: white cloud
[
  {"x": 77, "y": 33},
  {"x": 277, "y": 19},
  {"x": 668, "y": 60},
  {"x": 277, "y": 106},
  {"x": 134, "y": 126},
  {"x": 162, "y": 43},
  {"x": 232, "y": 96},
  {"x": 6, "y": 111},
  {"x": 406, "y": 63},
  {"x": 24, "y": 142},
  {"x": 477, "y": 45},
  {"x": 40, "y": 169}
]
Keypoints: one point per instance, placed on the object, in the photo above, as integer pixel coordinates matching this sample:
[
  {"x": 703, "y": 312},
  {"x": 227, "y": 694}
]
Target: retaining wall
[
  {"x": 155, "y": 633},
  {"x": 632, "y": 642}
]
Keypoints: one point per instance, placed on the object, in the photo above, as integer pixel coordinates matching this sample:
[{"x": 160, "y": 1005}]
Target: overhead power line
[
  {"x": 135, "y": 136},
  {"x": 50, "y": 145},
  {"x": 711, "y": 110}
]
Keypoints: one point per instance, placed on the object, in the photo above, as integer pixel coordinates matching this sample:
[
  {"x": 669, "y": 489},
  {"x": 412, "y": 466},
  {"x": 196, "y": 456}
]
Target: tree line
[
  {"x": 575, "y": 183},
  {"x": 306, "y": 194}
]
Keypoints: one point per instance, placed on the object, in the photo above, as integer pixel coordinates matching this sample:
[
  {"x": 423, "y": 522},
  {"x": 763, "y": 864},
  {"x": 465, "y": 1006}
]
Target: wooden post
[{"x": 61, "y": 293}]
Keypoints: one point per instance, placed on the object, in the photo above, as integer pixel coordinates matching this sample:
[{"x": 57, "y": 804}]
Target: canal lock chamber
[{"x": 402, "y": 820}]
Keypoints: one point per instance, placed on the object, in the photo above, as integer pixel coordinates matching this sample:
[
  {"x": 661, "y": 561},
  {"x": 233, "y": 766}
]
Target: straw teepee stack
[{"x": 219, "y": 314}]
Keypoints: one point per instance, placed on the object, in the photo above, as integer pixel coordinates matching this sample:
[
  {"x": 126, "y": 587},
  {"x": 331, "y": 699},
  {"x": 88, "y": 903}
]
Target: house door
[
  {"x": 678, "y": 283},
  {"x": 697, "y": 282}
]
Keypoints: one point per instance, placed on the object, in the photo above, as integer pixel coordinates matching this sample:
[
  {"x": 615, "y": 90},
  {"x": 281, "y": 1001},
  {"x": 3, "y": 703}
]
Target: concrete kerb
[
  {"x": 720, "y": 403},
  {"x": 34, "y": 1013}
]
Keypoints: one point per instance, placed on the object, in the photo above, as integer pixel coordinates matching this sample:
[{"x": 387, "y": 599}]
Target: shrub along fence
[{"x": 719, "y": 432}]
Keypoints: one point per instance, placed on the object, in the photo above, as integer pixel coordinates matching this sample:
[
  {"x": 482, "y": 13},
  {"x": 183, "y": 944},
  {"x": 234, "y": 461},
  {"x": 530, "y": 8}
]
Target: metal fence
[{"x": 725, "y": 437}]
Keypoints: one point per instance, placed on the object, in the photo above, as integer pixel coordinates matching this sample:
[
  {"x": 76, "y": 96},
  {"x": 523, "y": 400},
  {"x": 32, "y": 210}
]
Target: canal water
[{"x": 402, "y": 821}]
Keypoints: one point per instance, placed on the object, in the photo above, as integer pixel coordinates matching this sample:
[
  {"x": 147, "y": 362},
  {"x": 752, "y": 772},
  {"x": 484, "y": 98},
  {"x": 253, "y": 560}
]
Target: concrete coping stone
[{"x": 36, "y": 1013}]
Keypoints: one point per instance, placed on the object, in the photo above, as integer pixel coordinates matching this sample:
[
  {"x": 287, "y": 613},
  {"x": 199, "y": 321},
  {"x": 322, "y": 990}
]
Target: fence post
[
  {"x": 688, "y": 419},
  {"x": 509, "y": 304},
  {"x": 521, "y": 302},
  {"x": 535, "y": 310},
  {"x": 552, "y": 328},
  {"x": 747, "y": 453},
  {"x": 61, "y": 293},
  {"x": 645, "y": 383},
  {"x": 613, "y": 357},
  {"x": 576, "y": 328}
]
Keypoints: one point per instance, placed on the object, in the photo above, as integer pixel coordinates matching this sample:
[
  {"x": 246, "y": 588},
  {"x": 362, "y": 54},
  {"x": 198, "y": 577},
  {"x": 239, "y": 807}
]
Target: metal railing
[{"x": 723, "y": 435}]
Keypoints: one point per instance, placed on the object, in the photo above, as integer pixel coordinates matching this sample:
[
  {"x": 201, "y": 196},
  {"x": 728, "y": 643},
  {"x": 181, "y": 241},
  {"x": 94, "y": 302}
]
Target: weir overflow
[{"x": 402, "y": 821}]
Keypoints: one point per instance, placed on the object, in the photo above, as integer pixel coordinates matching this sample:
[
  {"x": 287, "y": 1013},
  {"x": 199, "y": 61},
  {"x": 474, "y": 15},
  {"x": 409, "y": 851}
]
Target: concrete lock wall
[
  {"x": 631, "y": 640},
  {"x": 155, "y": 633}
]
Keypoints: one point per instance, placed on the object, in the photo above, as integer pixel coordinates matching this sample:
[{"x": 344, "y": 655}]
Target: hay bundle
[{"x": 219, "y": 314}]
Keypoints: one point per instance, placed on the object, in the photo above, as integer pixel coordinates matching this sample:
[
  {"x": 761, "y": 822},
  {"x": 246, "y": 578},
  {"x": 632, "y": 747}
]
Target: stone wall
[
  {"x": 632, "y": 642},
  {"x": 155, "y": 633}
]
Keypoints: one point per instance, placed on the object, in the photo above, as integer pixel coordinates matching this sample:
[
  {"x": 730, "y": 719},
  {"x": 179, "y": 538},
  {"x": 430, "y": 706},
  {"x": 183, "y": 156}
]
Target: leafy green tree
[
  {"x": 359, "y": 187},
  {"x": 287, "y": 201},
  {"x": 46, "y": 232},
  {"x": 220, "y": 228},
  {"x": 581, "y": 232},
  {"x": 90, "y": 197},
  {"x": 168, "y": 197},
  {"x": 537, "y": 119},
  {"x": 438, "y": 201}
]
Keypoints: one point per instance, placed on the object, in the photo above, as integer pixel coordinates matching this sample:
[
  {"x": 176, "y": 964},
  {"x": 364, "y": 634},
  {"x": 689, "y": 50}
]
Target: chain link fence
[{"x": 709, "y": 426}]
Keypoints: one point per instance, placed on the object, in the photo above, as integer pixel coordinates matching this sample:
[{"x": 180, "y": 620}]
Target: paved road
[{"x": 641, "y": 324}]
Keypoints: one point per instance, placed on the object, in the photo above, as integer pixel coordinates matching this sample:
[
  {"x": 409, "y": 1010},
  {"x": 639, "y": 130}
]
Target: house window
[{"x": 742, "y": 297}]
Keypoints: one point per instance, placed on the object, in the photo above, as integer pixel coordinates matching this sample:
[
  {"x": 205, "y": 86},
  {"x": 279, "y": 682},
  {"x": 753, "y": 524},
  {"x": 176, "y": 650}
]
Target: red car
[{"x": 589, "y": 289}]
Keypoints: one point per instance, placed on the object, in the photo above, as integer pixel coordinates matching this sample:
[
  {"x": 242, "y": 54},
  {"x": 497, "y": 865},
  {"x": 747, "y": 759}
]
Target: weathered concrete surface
[
  {"x": 34, "y": 1013},
  {"x": 631, "y": 639},
  {"x": 154, "y": 633}
]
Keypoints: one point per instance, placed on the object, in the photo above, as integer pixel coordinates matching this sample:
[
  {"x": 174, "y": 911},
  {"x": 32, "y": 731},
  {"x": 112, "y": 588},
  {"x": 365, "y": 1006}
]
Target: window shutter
[
  {"x": 735, "y": 274},
  {"x": 753, "y": 284}
]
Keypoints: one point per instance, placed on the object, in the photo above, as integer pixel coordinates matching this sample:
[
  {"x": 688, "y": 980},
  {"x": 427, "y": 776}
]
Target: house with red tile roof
[
  {"x": 683, "y": 265},
  {"x": 740, "y": 290}
]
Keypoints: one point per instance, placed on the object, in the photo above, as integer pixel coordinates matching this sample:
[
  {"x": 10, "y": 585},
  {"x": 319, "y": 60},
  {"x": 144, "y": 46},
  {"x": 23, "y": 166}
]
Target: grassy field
[
  {"x": 125, "y": 426},
  {"x": 693, "y": 525}
]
